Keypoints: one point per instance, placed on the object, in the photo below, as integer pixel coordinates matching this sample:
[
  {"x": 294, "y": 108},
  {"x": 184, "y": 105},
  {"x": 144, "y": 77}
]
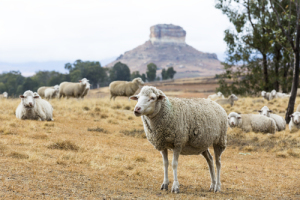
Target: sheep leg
[
  {"x": 210, "y": 162},
  {"x": 218, "y": 151},
  {"x": 175, "y": 186},
  {"x": 165, "y": 184}
]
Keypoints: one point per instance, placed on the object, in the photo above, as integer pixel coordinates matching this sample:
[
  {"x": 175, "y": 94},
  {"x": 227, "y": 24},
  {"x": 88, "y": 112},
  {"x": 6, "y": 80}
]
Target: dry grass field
[{"x": 96, "y": 149}]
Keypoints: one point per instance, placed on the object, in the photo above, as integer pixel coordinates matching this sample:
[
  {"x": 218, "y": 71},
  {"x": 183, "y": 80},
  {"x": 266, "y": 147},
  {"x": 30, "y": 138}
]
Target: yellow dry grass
[{"x": 96, "y": 149}]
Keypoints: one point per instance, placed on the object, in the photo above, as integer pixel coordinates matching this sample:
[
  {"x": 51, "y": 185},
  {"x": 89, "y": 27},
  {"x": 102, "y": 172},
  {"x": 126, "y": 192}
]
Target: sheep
[
  {"x": 186, "y": 126},
  {"x": 51, "y": 93},
  {"x": 41, "y": 90},
  {"x": 4, "y": 95},
  {"x": 294, "y": 124},
  {"x": 33, "y": 107},
  {"x": 280, "y": 122},
  {"x": 216, "y": 96},
  {"x": 266, "y": 95},
  {"x": 252, "y": 122},
  {"x": 69, "y": 89},
  {"x": 124, "y": 88},
  {"x": 275, "y": 94},
  {"x": 230, "y": 100}
]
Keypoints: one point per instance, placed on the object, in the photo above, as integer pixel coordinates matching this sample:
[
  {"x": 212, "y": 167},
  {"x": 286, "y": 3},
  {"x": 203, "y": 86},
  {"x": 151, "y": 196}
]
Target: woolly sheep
[
  {"x": 266, "y": 95},
  {"x": 41, "y": 90},
  {"x": 124, "y": 88},
  {"x": 4, "y": 95},
  {"x": 275, "y": 94},
  {"x": 252, "y": 122},
  {"x": 187, "y": 126},
  {"x": 216, "y": 96},
  {"x": 294, "y": 124},
  {"x": 33, "y": 107},
  {"x": 51, "y": 93},
  {"x": 280, "y": 122},
  {"x": 69, "y": 89},
  {"x": 230, "y": 100}
]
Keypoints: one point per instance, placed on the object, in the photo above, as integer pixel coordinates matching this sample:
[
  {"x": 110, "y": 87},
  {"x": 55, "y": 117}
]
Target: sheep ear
[
  {"x": 291, "y": 115},
  {"x": 260, "y": 111},
  {"x": 161, "y": 97},
  {"x": 36, "y": 97},
  {"x": 134, "y": 98},
  {"x": 79, "y": 80},
  {"x": 270, "y": 111},
  {"x": 238, "y": 117},
  {"x": 239, "y": 113},
  {"x": 21, "y": 96}
]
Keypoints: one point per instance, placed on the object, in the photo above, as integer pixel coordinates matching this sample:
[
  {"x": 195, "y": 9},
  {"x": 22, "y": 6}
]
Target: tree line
[
  {"x": 262, "y": 48},
  {"x": 15, "y": 84}
]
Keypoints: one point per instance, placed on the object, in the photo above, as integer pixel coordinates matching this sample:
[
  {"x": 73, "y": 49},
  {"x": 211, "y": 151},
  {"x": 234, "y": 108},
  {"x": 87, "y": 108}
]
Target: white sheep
[
  {"x": 124, "y": 88},
  {"x": 87, "y": 89},
  {"x": 230, "y": 100},
  {"x": 186, "y": 126},
  {"x": 280, "y": 122},
  {"x": 41, "y": 90},
  {"x": 266, "y": 95},
  {"x": 51, "y": 93},
  {"x": 294, "y": 124},
  {"x": 275, "y": 94},
  {"x": 33, "y": 107},
  {"x": 4, "y": 95},
  {"x": 69, "y": 89},
  {"x": 216, "y": 96},
  {"x": 252, "y": 122}
]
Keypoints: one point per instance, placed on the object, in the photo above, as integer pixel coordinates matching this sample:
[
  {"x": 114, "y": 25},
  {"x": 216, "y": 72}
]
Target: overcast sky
[{"x": 67, "y": 30}]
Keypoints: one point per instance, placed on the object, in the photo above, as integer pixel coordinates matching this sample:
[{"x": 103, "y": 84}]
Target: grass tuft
[
  {"x": 64, "y": 145},
  {"x": 18, "y": 155}
]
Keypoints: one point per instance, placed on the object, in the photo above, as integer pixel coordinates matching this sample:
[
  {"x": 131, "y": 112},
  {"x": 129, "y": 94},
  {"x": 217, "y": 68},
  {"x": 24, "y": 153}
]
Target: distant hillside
[{"x": 167, "y": 48}]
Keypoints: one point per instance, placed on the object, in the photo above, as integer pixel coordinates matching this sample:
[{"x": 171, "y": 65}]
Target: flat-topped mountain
[{"x": 167, "y": 48}]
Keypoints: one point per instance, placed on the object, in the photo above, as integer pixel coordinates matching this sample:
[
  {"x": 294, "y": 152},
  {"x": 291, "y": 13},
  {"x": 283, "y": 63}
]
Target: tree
[
  {"x": 151, "y": 72},
  {"x": 164, "y": 74},
  {"x": 120, "y": 72},
  {"x": 288, "y": 17},
  {"x": 171, "y": 72},
  {"x": 144, "y": 77}
]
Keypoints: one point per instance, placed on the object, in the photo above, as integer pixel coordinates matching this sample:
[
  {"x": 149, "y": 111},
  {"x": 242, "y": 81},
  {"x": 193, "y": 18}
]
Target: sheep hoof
[
  {"x": 175, "y": 187},
  {"x": 217, "y": 188},
  {"x": 164, "y": 187},
  {"x": 212, "y": 187}
]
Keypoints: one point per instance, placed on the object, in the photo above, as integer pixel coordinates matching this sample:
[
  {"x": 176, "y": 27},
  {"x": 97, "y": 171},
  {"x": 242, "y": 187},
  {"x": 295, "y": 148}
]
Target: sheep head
[
  {"x": 265, "y": 111},
  {"x": 295, "y": 117},
  {"x": 234, "y": 119},
  {"x": 28, "y": 99},
  {"x": 149, "y": 101}
]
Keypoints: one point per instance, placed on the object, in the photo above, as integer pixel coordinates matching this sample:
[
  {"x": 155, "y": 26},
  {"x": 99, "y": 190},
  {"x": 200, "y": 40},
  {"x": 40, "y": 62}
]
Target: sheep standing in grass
[
  {"x": 4, "y": 95},
  {"x": 51, "y": 93},
  {"x": 252, "y": 122},
  {"x": 230, "y": 100},
  {"x": 294, "y": 124},
  {"x": 124, "y": 88},
  {"x": 41, "y": 90},
  {"x": 266, "y": 95},
  {"x": 216, "y": 96},
  {"x": 33, "y": 107},
  {"x": 186, "y": 126},
  {"x": 69, "y": 89},
  {"x": 280, "y": 122},
  {"x": 275, "y": 94}
]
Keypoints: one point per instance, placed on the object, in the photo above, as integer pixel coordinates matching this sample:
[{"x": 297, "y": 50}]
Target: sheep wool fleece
[{"x": 191, "y": 124}]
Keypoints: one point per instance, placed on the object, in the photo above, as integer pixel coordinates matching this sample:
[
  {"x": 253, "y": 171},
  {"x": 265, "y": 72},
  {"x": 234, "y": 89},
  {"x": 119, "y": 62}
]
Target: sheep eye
[{"x": 152, "y": 98}]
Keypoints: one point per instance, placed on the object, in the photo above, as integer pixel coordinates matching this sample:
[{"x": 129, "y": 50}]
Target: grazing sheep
[
  {"x": 186, "y": 126},
  {"x": 4, "y": 95},
  {"x": 41, "y": 90},
  {"x": 51, "y": 93},
  {"x": 266, "y": 95},
  {"x": 275, "y": 94},
  {"x": 124, "y": 88},
  {"x": 33, "y": 107},
  {"x": 280, "y": 122},
  {"x": 294, "y": 124},
  {"x": 69, "y": 89},
  {"x": 252, "y": 122},
  {"x": 230, "y": 100},
  {"x": 216, "y": 96}
]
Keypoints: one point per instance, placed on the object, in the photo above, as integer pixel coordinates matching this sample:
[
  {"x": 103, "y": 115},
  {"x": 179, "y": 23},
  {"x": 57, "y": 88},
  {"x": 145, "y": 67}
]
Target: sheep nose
[
  {"x": 30, "y": 104},
  {"x": 137, "y": 109},
  {"x": 232, "y": 123}
]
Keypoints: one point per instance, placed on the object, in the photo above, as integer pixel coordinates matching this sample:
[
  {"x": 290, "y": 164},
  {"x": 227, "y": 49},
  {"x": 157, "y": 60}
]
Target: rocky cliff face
[
  {"x": 167, "y": 33},
  {"x": 167, "y": 48}
]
